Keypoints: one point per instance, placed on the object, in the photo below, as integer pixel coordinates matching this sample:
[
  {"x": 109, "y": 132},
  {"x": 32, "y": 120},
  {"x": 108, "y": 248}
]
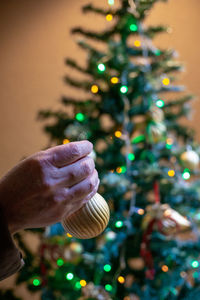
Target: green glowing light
[
  {"x": 77, "y": 285},
  {"x": 195, "y": 275},
  {"x": 131, "y": 156},
  {"x": 158, "y": 52},
  {"x": 60, "y": 262},
  {"x": 195, "y": 264},
  {"x": 133, "y": 27},
  {"x": 123, "y": 169},
  {"x": 80, "y": 117},
  {"x": 111, "y": 2},
  {"x": 107, "y": 268},
  {"x": 69, "y": 276},
  {"x": 160, "y": 103},
  {"x": 124, "y": 89},
  {"x": 119, "y": 224},
  {"x": 101, "y": 67},
  {"x": 186, "y": 175},
  {"x": 108, "y": 287},
  {"x": 168, "y": 146},
  {"x": 36, "y": 282}
]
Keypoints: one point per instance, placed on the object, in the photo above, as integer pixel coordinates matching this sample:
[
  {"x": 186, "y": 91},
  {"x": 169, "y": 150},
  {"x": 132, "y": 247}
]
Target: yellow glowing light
[
  {"x": 118, "y": 133},
  {"x": 119, "y": 170},
  {"x": 169, "y": 141},
  {"x": 137, "y": 43},
  {"x": 121, "y": 279},
  {"x": 114, "y": 80},
  {"x": 109, "y": 17},
  {"x": 166, "y": 81},
  {"x": 171, "y": 173},
  {"x": 165, "y": 268},
  {"x": 69, "y": 235},
  {"x": 83, "y": 282},
  {"x": 94, "y": 89},
  {"x": 66, "y": 141},
  {"x": 127, "y": 298},
  {"x": 183, "y": 274},
  {"x": 141, "y": 211}
]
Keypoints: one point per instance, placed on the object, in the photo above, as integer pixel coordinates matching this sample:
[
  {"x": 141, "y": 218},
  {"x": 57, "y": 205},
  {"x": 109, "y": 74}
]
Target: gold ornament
[
  {"x": 190, "y": 159},
  {"x": 90, "y": 220},
  {"x": 155, "y": 114},
  {"x": 156, "y": 132},
  {"x": 166, "y": 220}
]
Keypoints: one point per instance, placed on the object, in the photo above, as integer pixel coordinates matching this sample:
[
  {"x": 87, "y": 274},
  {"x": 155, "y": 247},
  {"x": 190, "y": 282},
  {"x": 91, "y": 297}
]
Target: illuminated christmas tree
[{"x": 148, "y": 166}]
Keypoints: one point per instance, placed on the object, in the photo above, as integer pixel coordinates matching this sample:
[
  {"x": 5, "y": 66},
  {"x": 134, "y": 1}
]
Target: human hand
[{"x": 48, "y": 186}]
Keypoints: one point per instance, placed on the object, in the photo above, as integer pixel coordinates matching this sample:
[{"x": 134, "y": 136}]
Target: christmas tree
[{"x": 148, "y": 166}]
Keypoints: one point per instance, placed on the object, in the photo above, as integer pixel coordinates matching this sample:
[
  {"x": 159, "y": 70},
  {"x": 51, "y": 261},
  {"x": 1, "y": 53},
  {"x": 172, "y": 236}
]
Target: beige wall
[{"x": 35, "y": 39}]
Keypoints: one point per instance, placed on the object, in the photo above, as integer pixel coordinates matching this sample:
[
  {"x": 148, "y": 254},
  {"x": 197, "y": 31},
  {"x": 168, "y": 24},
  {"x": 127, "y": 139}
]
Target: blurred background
[{"x": 35, "y": 40}]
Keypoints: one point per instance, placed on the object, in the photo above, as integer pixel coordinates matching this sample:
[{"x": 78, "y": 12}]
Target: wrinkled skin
[{"x": 48, "y": 186}]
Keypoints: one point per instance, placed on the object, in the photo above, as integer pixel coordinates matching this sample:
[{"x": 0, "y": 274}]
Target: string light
[
  {"x": 109, "y": 17},
  {"x": 69, "y": 235},
  {"x": 133, "y": 27},
  {"x": 114, "y": 80},
  {"x": 121, "y": 279},
  {"x": 158, "y": 52},
  {"x": 60, "y": 262},
  {"x": 166, "y": 81},
  {"x": 107, "y": 268},
  {"x": 119, "y": 170},
  {"x": 66, "y": 141},
  {"x": 83, "y": 282},
  {"x": 160, "y": 103},
  {"x": 101, "y": 67},
  {"x": 171, "y": 173},
  {"x": 195, "y": 275},
  {"x": 131, "y": 156},
  {"x": 36, "y": 282},
  {"x": 123, "y": 169},
  {"x": 140, "y": 211},
  {"x": 94, "y": 89},
  {"x": 80, "y": 117},
  {"x": 77, "y": 285},
  {"x": 118, "y": 134},
  {"x": 186, "y": 174},
  {"x": 165, "y": 268},
  {"x": 69, "y": 276},
  {"x": 195, "y": 264},
  {"x": 183, "y": 274},
  {"x": 108, "y": 287},
  {"x": 119, "y": 224},
  {"x": 169, "y": 141},
  {"x": 124, "y": 89},
  {"x": 137, "y": 43}
]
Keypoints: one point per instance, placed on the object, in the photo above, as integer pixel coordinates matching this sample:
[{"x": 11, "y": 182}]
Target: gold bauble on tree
[
  {"x": 156, "y": 132},
  {"x": 90, "y": 220},
  {"x": 190, "y": 159}
]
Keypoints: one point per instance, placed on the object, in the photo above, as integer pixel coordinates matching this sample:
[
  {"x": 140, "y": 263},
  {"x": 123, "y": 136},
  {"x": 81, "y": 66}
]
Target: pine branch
[
  {"x": 178, "y": 102},
  {"x": 92, "y": 8},
  {"x": 94, "y": 35},
  {"x": 72, "y": 63}
]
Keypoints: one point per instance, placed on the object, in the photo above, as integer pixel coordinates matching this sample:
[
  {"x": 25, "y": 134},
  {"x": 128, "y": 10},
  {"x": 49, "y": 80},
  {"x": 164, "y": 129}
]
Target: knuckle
[
  {"x": 71, "y": 175},
  {"x": 74, "y": 150},
  {"x": 88, "y": 167},
  {"x": 91, "y": 184}
]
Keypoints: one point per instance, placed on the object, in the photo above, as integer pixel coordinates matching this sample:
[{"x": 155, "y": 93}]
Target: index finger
[{"x": 63, "y": 155}]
